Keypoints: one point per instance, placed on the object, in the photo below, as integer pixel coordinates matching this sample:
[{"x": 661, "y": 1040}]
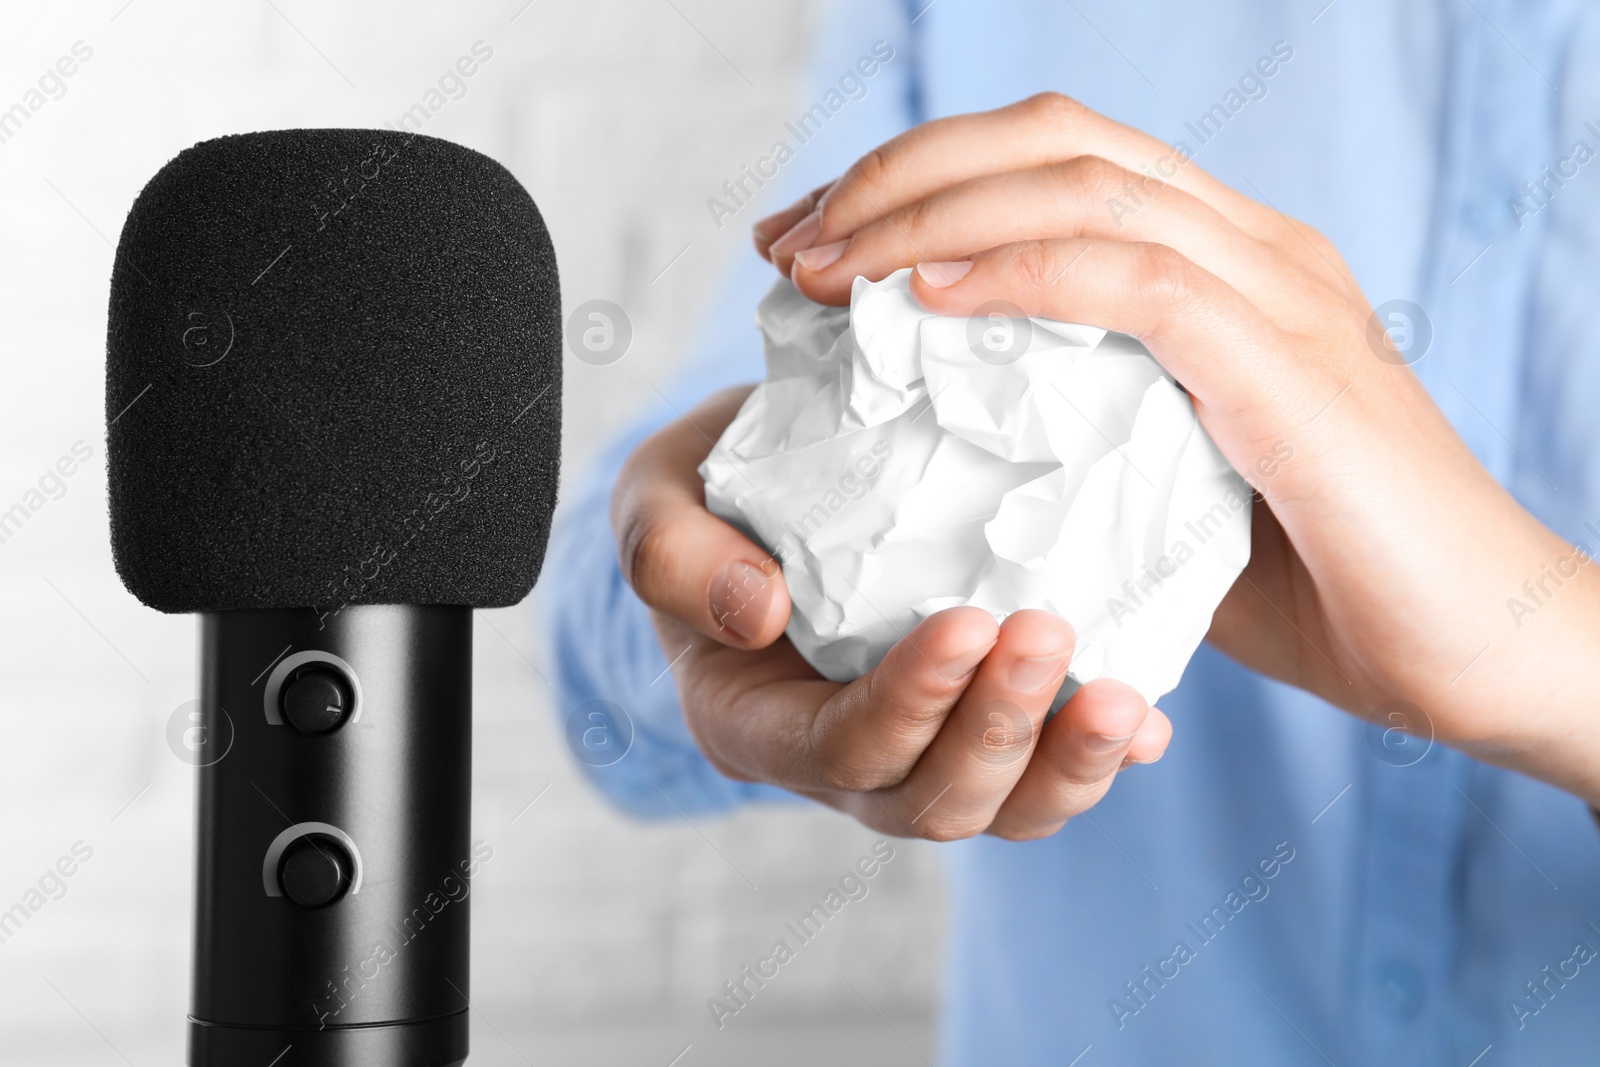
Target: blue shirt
[{"x": 1290, "y": 884}]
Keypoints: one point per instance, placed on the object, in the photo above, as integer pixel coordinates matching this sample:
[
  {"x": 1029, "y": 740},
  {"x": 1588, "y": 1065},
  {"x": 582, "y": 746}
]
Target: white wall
[{"x": 597, "y": 940}]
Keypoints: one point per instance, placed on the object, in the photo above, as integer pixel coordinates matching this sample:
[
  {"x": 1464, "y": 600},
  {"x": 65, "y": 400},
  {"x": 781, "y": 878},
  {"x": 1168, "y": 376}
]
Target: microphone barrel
[{"x": 334, "y": 838}]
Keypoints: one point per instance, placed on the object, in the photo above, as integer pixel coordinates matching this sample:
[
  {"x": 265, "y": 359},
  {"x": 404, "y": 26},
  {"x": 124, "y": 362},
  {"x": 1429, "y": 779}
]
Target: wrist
[{"x": 1527, "y": 701}]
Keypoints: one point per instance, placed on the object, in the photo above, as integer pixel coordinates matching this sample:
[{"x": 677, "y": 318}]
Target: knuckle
[
  {"x": 1328, "y": 251},
  {"x": 1165, "y": 275},
  {"x": 1281, "y": 234},
  {"x": 643, "y": 548},
  {"x": 1026, "y": 831},
  {"x": 700, "y": 717},
  {"x": 1295, "y": 238},
  {"x": 918, "y": 217},
  {"x": 849, "y": 776},
  {"x": 948, "y": 827},
  {"x": 1090, "y": 182},
  {"x": 1004, "y": 734},
  {"x": 1303, "y": 231},
  {"x": 837, "y": 758},
  {"x": 872, "y": 170},
  {"x": 1034, "y": 264},
  {"x": 1077, "y": 789},
  {"x": 1054, "y": 106},
  {"x": 728, "y": 770},
  {"x": 916, "y": 707},
  {"x": 1094, "y": 174}
]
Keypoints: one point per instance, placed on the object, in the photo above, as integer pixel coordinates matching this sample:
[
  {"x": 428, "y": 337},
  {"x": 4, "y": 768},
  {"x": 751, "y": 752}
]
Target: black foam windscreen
[{"x": 333, "y": 376}]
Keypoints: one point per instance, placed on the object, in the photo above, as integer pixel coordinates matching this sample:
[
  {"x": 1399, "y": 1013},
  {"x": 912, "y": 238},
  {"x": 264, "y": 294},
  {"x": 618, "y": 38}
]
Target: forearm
[
  {"x": 1538, "y": 676},
  {"x": 1490, "y": 622}
]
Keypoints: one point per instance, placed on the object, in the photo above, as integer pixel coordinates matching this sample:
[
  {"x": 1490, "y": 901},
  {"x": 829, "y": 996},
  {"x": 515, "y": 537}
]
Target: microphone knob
[
  {"x": 315, "y": 872},
  {"x": 316, "y": 700}
]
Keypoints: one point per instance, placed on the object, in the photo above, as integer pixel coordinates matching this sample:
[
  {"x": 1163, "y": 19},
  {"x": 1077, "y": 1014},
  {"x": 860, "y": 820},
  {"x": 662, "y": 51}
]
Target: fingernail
[
  {"x": 940, "y": 275},
  {"x": 803, "y": 235},
  {"x": 739, "y": 595},
  {"x": 1035, "y": 672},
  {"x": 958, "y": 667},
  {"x": 822, "y": 256},
  {"x": 1102, "y": 743}
]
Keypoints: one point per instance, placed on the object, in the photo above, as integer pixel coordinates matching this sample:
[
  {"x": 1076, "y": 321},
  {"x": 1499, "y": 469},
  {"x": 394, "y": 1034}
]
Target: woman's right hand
[{"x": 944, "y": 739}]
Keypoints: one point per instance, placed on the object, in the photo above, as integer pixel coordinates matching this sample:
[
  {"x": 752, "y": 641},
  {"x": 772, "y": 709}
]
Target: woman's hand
[
  {"x": 1384, "y": 562},
  {"x": 943, "y": 739}
]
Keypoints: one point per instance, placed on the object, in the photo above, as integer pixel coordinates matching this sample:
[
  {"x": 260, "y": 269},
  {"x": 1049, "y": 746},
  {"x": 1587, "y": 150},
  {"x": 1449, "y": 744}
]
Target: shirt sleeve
[{"x": 602, "y": 645}]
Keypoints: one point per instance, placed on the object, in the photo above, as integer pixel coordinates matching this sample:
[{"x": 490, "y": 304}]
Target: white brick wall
[{"x": 597, "y": 939}]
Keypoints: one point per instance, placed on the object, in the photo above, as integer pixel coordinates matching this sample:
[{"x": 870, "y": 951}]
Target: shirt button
[{"x": 1400, "y": 989}]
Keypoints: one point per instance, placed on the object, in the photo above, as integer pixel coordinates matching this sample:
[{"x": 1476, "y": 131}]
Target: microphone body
[{"x": 385, "y": 794}]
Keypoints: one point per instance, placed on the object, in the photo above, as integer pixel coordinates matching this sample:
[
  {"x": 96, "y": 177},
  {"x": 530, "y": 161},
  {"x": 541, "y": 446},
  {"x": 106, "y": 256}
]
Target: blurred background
[{"x": 596, "y": 939}]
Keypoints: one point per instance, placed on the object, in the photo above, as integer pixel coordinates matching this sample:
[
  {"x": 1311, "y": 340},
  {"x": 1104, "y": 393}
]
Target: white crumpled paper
[{"x": 894, "y": 473}]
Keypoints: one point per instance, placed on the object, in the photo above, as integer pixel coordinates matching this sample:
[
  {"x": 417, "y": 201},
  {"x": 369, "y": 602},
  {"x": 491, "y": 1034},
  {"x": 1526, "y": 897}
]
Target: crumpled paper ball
[{"x": 897, "y": 463}]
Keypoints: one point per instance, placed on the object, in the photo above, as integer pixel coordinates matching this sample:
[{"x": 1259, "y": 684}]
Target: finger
[
  {"x": 1223, "y": 349},
  {"x": 983, "y": 747},
  {"x": 1082, "y": 197},
  {"x": 1150, "y": 743},
  {"x": 1078, "y": 756},
  {"x": 681, "y": 559},
  {"x": 769, "y": 229},
  {"x": 820, "y": 737},
  {"x": 1043, "y": 129}
]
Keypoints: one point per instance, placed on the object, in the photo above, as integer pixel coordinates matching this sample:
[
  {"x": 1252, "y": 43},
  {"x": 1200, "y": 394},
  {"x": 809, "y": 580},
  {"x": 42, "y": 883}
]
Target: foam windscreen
[{"x": 333, "y": 376}]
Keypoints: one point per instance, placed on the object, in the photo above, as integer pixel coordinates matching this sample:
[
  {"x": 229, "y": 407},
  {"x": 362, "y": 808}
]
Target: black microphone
[{"x": 333, "y": 394}]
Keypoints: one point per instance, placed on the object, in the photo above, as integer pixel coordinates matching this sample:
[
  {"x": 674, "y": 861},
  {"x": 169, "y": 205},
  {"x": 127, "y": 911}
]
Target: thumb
[{"x": 679, "y": 558}]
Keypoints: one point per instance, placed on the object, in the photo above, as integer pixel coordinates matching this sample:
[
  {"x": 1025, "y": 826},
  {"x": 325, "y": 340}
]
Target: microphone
[{"x": 333, "y": 395}]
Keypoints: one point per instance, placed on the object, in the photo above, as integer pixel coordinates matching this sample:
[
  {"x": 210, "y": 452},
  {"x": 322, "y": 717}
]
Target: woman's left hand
[{"x": 1386, "y": 557}]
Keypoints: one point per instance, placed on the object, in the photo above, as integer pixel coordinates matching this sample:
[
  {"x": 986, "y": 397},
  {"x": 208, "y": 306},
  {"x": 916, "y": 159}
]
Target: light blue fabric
[{"x": 1421, "y": 898}]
